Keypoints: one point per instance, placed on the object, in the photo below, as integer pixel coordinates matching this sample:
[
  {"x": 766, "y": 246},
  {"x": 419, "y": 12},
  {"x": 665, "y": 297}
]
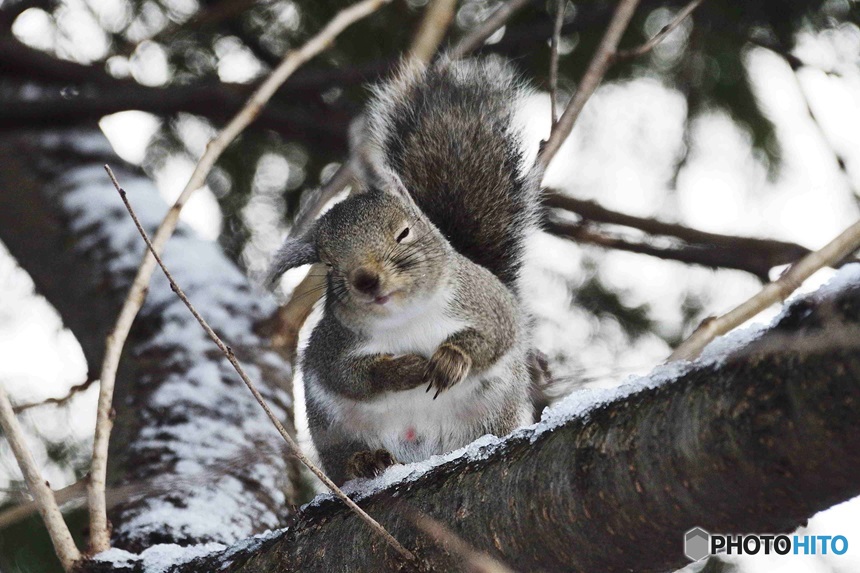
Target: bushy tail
[{"x": 450, "y": 133}]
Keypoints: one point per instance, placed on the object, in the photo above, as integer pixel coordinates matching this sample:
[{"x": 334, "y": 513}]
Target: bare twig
[
  {"x": 553, "y": 59},
  {"x": 600, "y": 63},
  {"x": 474, "y": 39},
  {"x": 841, "y": 163},
  {"x": 228, "y": 353},
  {"x": 100, "y": 540},
  {"x": 661, "y": 35},
  {"x": 437, "y": 18},
  {"x": 777, "y": 291},
  {"x": 64, "y": 545},
  {"x": 475, "y": 561},
  {"x": 74, "y": 390}
]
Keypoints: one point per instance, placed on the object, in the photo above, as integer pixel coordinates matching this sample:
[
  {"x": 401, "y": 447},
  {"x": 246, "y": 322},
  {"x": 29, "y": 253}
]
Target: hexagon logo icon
[{"x": 696, "y": 544}]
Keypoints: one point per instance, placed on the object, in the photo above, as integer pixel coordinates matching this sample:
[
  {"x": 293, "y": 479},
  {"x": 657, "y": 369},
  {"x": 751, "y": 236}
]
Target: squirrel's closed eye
[{"x": 403, "y": 234}]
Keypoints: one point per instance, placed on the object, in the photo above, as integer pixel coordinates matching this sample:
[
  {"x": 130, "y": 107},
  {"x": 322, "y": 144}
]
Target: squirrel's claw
[
  {"x": 368, "y": 464},
  {"x": 449, "y": 365}
]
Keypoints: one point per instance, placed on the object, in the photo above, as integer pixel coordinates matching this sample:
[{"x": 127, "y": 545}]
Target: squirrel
[{"x": 423, "y": 345}]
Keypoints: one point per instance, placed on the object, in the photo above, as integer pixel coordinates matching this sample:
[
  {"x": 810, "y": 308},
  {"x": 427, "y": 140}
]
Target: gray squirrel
[{"x": 423, "y": 345}]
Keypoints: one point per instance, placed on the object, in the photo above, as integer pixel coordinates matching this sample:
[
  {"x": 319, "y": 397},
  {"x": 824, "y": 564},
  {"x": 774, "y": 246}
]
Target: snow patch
[
  {"x": 158, "y": 558},
  {"x": 200, "y": 416}
]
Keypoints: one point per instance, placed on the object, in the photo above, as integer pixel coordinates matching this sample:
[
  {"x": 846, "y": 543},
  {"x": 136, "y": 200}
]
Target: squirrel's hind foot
[{"x": 367, "y": 464}]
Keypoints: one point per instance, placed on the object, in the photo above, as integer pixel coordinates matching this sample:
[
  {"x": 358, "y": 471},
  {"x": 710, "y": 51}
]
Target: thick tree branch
[
  {"x": 91, "y": 94},
  {"x": 612, "y": 481},
  {"x": 181, "y": 420},
  {"x": 231, "y": 357}
]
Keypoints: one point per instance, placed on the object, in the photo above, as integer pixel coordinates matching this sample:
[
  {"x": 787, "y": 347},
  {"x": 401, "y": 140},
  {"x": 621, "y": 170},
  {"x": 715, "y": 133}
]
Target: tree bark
[
  {"x": 755, "y": 441},
  {"x": 193, "y": 457}
]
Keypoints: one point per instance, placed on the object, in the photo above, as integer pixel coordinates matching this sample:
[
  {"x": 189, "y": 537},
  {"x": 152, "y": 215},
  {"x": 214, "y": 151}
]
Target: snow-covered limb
[
  {"x": 610, "y": 480},
  {"x": 231, "y": 357},
  {"x": 205, "y": 463}
]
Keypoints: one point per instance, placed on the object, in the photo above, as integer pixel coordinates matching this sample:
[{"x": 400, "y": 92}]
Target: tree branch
[
  {"x": 756, "y": 256},
  {"x": 600, "y": 63},
  {"x": 97, "y": 94},
  {"x": 612, "y": 480},
  {"x": 64, "y": 545},
  {"x": 434, "y": 25},
  {"x": 777, "y": 291},
  {"x": 707, "y": 255},
  {"x": 553, "y": 60},
  {"x": 661, "y": 35},
  {"x": 474, "y": 39},
  {"x": 228, "y": 353},
  {"x": 14, "y": 514},
  {"x": 73, "y": 391},
  {"x": 605, "y": 55},
  {"x": 181, "y": 418}
]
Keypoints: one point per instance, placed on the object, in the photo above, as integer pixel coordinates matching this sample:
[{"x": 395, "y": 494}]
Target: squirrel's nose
[{"x": 366, "y": 281}]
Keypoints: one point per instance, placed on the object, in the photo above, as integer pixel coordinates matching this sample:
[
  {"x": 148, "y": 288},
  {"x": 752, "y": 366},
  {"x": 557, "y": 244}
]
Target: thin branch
[
  {"x": 228, "y": 353},
  {"x": 553, "y": 59},
  {"x": 64, "y": 545},
  {"x": 777, "y": 291},
  {"x": 100, "y": 539},
  {"x": 661, "y": 35},
  {"x": 841, "y": 163},
  {"x": 600, "y": 63},
  {"x": 73, "y": 391},
  {"x": 474, "y": 39},
  {"x": 437, "y": 19}
]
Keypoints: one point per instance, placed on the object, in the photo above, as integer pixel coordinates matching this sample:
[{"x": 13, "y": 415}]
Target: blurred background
[{"x": 744, "y": 121}]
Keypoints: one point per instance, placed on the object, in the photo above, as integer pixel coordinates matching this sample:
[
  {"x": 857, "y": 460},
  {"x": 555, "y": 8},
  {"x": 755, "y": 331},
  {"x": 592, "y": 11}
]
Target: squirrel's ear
[
  {"x": 391, "y": 184},
  {"x": 295, "y": 252}
]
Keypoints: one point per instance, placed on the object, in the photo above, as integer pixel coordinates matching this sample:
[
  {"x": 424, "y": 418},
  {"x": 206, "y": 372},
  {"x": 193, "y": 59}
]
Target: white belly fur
[{"x": 410, "y": 423}]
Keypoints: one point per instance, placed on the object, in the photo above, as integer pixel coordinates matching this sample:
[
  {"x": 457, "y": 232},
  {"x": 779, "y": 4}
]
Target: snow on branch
[{"x": 182, "y": 418}]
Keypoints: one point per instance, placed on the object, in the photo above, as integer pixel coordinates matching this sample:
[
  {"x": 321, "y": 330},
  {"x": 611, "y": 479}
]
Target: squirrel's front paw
[
  {"x": 369, "y": 464},
  {"x": 448, "y": 366}
]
